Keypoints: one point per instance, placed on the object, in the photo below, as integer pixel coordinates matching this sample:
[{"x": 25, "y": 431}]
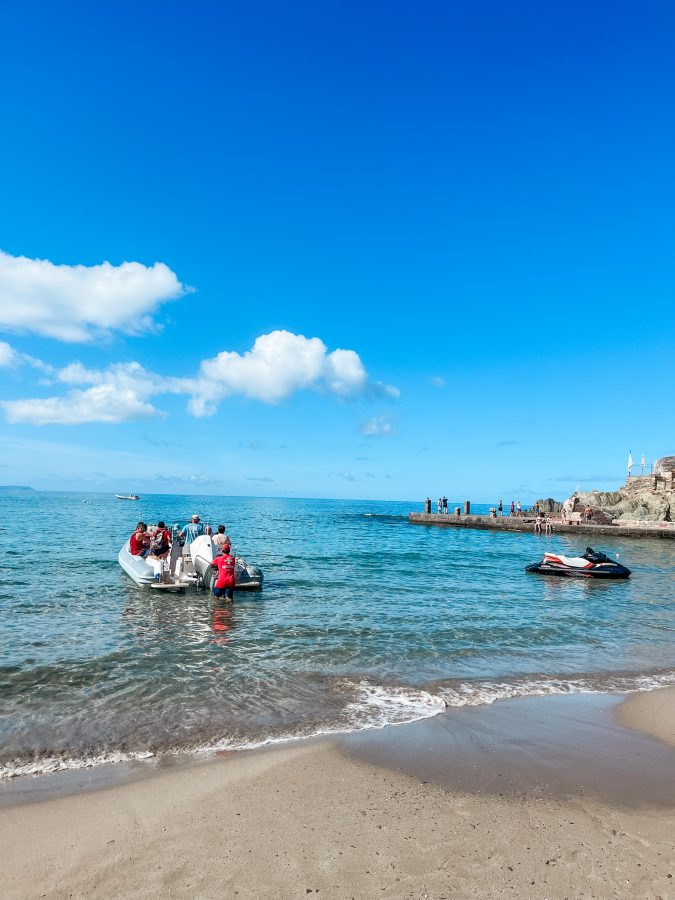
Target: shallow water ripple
[{"x": 364, "y": 620}]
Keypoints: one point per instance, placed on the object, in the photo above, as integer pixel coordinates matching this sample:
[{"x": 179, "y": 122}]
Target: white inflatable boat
[{"x": 182, "y": 569}]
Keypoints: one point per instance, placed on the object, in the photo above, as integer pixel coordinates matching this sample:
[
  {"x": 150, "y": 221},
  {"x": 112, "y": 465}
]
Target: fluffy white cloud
[
  {"x": 103, "y": 403},
  {"x": 77, "y": 303},
  {"x": 117, "y": 394},
  {"x": 378, "y": 426},
  {"x": 281, "y": 363},
  {"x": 278, "y": 365}
]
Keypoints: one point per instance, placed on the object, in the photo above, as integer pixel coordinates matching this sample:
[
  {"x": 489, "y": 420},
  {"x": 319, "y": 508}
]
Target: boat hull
[
  {"x": 137, "y": 568},
  {"x": 614, "y": 573},
  {"x": 194, "y": 569}
]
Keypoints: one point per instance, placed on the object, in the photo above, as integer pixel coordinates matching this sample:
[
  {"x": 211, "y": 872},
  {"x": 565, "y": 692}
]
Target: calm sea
[{"x": 364, "y": 621}]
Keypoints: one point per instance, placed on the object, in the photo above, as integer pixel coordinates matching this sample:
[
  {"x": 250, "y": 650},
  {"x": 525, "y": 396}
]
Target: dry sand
[
  {"x": 651, "y": 712},
  {"x": 311, "y": 820}
]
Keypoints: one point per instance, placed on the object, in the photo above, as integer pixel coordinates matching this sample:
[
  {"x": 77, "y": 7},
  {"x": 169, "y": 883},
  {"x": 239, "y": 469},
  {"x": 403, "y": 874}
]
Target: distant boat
[{"x": 127, "y": 496}]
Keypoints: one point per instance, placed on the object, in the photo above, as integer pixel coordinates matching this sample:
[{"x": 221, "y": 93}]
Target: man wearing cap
[
  {"x": 225, "y": 582},
  {"x": 192, "y": 530}
]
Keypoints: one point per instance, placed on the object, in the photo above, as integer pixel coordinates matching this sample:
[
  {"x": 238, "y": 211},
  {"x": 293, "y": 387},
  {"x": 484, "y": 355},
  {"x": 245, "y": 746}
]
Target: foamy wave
[
  {"x": 377, "y": 706},
  {"x": 371, "y": 705},
  {"x": 488, "y": 692},
  {"x": 52, "y": 764}
]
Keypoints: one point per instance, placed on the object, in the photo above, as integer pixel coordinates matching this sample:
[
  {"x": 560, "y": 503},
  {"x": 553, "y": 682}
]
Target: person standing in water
[{"x": 224, "y": 586}]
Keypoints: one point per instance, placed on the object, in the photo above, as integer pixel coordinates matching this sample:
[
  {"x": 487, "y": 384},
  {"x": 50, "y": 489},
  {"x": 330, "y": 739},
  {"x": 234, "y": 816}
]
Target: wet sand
[{"x": 546, "y": 798}]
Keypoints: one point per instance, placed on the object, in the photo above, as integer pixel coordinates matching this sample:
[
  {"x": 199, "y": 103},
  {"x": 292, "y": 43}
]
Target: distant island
[{"x": 12, "y": 488}]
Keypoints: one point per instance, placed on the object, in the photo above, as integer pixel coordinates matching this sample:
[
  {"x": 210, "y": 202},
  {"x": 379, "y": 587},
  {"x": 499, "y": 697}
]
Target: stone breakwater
[{"x": 527, "y": 523}]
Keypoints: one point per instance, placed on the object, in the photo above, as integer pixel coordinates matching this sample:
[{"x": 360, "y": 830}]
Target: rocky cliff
[{"x": 644, "y": 498}]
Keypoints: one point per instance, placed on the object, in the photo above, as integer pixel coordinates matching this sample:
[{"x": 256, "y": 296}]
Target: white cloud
[
  {"x": 117, "y": 394},
  {"x": 8, "y": 356},
  {"x": 11, "y": 358},
  {"x": 386, "y": 390},
  {"x": 103, "y": 403},
  {"x": 78, "y": 303},
  {"x": 378, "y": 426},
  {"x": 278, "y": 365},
  {"x": 437, "y": 381}
]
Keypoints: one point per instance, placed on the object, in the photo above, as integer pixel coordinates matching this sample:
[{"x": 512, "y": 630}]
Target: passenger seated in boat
[
  {"x": 139, "y": 542},
  {"x": 220, "y": 538},
  {"x": 192, "y": 530},
  {"x": 161, "y": 541},
  {"x": 224, "y": 586}
]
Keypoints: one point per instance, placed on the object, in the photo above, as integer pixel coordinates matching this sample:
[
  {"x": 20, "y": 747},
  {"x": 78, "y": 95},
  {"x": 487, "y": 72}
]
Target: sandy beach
[{"x": 317, "y": 818}]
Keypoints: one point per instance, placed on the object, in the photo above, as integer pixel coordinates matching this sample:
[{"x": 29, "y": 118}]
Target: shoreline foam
[{"x": 374, "y": 706}]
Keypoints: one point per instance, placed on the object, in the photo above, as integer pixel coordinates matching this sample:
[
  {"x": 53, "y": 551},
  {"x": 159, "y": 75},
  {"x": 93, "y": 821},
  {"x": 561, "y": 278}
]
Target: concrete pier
[{"x": 526, "y": 523}]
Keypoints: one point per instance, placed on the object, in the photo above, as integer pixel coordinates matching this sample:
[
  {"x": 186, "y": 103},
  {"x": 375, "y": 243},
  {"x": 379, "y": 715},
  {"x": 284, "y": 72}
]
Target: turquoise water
[{"x": 364, "y": 620}]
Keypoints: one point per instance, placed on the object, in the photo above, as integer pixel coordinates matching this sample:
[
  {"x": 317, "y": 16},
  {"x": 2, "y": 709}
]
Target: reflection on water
[{"x": 222, "y": 622}]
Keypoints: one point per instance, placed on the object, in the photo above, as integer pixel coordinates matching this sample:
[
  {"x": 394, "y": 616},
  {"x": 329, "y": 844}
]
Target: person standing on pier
[
  {"x": 519, "y": 508},
  {"x": 500, "y": 508},
  {"x": 427, "y": 506},
  {"x": 513, "y": 508},
  {"x": 445, "y": 504},
  {"x": 439, "y": 506}
]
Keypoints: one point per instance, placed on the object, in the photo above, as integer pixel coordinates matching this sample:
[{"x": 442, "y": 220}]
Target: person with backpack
[{"x": 161, "y": 541}]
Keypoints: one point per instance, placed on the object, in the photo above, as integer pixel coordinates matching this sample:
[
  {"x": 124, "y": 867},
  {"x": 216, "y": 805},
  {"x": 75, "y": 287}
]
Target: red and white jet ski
[{"x": 590, "y": 565}]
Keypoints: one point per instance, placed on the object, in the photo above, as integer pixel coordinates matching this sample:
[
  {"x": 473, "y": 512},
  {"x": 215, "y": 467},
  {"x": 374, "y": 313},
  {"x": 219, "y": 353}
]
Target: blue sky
[{"x": 473, "y": 200}]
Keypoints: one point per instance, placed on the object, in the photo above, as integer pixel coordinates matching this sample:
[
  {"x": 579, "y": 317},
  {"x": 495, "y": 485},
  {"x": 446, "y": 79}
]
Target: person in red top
[
  {"x": 225, "y": 582},
  {"x": 139, "y": 542}
]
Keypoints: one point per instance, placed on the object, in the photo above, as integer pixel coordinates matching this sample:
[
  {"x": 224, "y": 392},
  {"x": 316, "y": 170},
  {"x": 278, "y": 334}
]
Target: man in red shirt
[
  {"x": 139, "y": 542},
  {"x": 225, "y": 582}
]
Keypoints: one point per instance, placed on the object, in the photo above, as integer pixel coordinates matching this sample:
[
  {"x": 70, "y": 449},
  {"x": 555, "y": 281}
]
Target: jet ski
[{"x": 591, "y": 565}]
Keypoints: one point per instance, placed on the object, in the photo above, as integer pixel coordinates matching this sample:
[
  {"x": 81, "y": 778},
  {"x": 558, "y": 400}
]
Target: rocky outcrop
[
  {"x": 644, "y": 498},
  {"x": 643, "y": 505},
  {"x": 549, "y": 505}
]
